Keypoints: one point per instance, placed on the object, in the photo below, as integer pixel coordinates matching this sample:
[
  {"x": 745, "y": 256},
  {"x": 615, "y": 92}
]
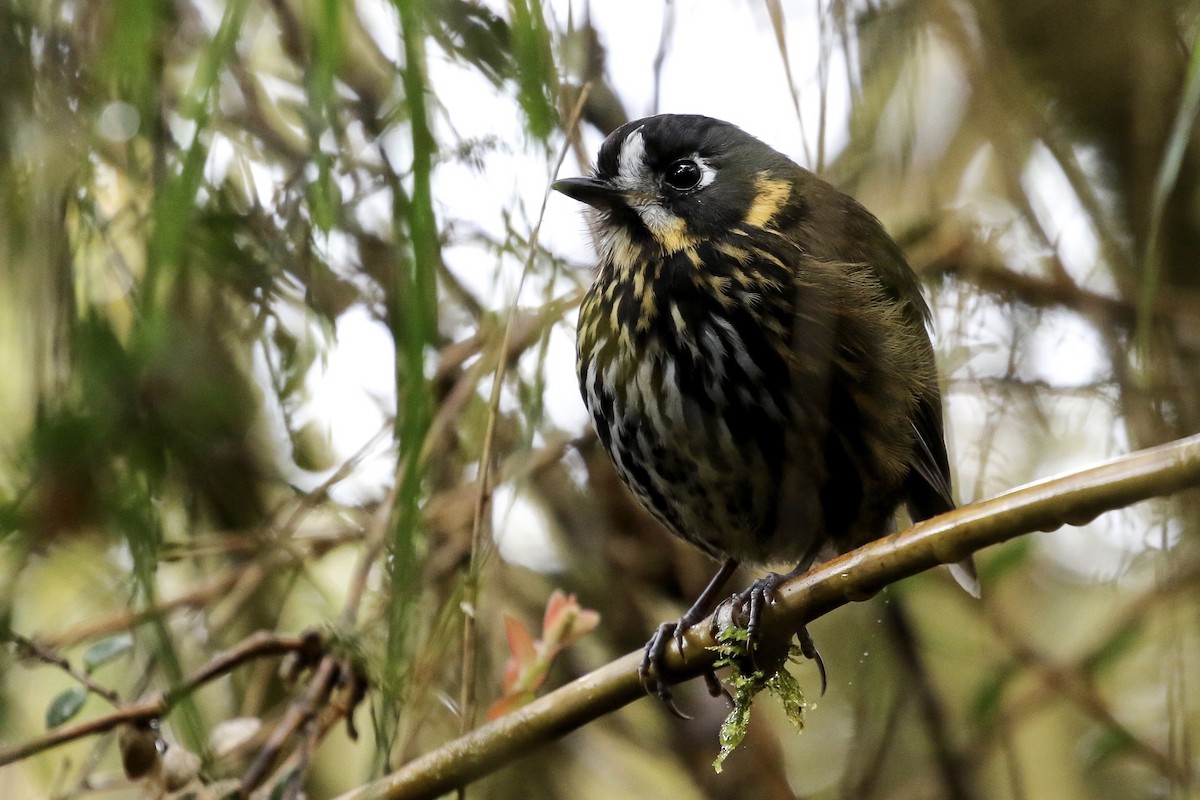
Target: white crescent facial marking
[
  {"x": 645, "y": 189},
  {"x": 634, "y": 173},
  {"x": 707, "y": 173},
  {"x": 631, "y": 164}
]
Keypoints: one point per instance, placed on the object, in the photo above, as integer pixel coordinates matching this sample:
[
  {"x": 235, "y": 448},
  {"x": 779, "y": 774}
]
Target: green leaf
[
  {"x": 535, "y": 67},
  {"x": 987, "y": 698},
  {"x": 324, "y": 199},
  {"x": 1164, "y": 183},
  {"x": 328, "y": 33},
  {"x": 1005, "y": 558},
  {"x": 106, "y": 650},
  {"x": 1116, "y": 646},
  {"x": 1110, "y": 742},
  {"x": 476, "y": 34},
  {"x": 65, "y": 706}
]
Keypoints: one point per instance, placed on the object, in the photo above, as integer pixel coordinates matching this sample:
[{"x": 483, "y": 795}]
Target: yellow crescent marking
[
  {"x": 769, "y": 197},
  {"x": 674, "y": 236}
]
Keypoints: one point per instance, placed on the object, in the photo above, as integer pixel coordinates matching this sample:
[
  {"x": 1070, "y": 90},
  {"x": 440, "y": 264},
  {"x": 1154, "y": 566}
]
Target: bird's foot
[
  {"x": 652, "y": 670},
  {"x": 746, "y": 608}
]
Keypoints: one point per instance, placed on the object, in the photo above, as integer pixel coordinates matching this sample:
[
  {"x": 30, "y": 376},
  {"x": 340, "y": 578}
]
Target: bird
[{"x": 755, "y": 356}]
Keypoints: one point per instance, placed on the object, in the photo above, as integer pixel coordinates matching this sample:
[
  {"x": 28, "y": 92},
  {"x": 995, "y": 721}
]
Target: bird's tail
[{"x": 965, "y": 576}]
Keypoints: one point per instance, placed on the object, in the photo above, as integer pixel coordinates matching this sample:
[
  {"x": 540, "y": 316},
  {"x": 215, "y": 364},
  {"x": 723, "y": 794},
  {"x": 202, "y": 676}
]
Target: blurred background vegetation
[{"x": 258, "y": 265}]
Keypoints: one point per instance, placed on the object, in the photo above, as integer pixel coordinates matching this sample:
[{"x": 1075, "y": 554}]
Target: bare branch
[
  {"x": 48, "y": 655},
  {"x": 1045, "y": 505},
  {"x": 257, "y": 645}
]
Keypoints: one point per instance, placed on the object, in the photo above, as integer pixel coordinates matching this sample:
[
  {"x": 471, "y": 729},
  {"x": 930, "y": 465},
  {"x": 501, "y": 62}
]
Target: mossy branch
[{"x": 1045, "y": 505}]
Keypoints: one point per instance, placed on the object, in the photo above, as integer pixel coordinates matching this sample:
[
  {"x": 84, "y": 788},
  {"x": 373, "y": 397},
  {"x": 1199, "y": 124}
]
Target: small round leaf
[
  {"x": 106, "y": 650},
  {"x": 65, "y": 705}
]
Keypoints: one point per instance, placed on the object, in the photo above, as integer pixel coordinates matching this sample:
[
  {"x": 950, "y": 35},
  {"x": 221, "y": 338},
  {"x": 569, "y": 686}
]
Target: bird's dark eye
[{"x": 683, "y": 174}]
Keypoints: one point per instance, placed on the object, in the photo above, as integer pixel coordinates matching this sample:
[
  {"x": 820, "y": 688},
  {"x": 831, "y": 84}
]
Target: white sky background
[{"x": 743, "y": 81}]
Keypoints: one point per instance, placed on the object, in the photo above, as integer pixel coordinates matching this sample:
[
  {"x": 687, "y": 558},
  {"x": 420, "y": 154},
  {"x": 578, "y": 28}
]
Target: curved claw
[
  {"x": 758, "y": 597},
  {"x": 674, "y": 709},
  {"x": 716, "y": 688},
  {"x": 808, "y": 649},
  {"x": 651, "y": 669},
  {"x": 760, "y": 593}
]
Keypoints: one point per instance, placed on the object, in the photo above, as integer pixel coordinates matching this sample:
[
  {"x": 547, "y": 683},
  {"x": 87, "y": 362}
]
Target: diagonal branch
[
  {"x": 257, "y": 645},
  {"x": 1046, "y": 505}
]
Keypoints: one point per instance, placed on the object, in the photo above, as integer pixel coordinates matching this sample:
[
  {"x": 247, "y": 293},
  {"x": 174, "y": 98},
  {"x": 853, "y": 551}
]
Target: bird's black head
[{"x": 681, "y": 178}]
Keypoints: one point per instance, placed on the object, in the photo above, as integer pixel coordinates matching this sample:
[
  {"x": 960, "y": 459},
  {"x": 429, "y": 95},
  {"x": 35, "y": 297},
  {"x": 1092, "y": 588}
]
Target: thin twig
[
  {"x": 483, "y": 498},
  {"x": 951, "y": 765},
  {"x": 1164, "y": 182},
  {"x": 48, "y": 655},
  {"x": 311, "y": 499},
  {"x": 300, "y": 712},
  {"x": 257, "y": 645},
  {"x": 1034, "y": 699},
  {"x": 1076, "y": 685},
  {"x": 216, "y": 586},
  {"x": 779, "y": 24},
  {"x": 660, "y": 56},
  {"x": 105, "y": 741},
  {"x": 870, "y": 768}
]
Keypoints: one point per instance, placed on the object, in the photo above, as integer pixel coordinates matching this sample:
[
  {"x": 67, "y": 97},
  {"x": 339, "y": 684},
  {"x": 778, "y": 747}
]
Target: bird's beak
[{"x": 596, "y": 193}]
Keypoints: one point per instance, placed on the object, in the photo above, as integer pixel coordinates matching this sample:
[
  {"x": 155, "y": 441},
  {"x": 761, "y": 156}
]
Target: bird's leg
[
  {"x": 756, "y": 598},
  {"x": 651, "y": 670}
]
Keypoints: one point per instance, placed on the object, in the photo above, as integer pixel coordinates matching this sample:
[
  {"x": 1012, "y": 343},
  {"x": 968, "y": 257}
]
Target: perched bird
[{"x": 754, "y": 354}]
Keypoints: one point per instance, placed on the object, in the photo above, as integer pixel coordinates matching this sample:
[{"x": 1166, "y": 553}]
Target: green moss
[{"x": 744, "y": 686}]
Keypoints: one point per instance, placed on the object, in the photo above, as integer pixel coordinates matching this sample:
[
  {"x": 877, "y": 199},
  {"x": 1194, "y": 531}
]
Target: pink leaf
[{"x": 520, "y": 640}]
